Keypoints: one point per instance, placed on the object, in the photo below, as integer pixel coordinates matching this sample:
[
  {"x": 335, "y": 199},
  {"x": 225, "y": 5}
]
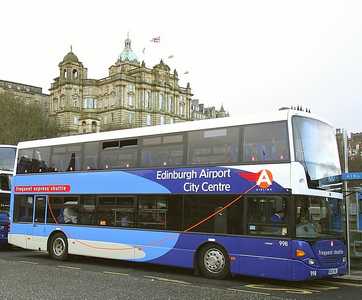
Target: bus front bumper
[{"x": 302, "y": 271}]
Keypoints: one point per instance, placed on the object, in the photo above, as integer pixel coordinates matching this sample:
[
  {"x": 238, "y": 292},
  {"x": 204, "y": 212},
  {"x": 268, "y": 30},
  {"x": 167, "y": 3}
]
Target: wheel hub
[
  {"x": 214, "y": 260},
  {"x": 59, "y": 247}
]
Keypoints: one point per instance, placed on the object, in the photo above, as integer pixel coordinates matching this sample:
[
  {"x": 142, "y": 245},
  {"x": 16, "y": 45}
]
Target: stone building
[
  {"x": 28, "y": 93},
  {"x": 133, "y": 95},
  {"x": 200, "y": 112},
  {"x": 355, "y": 146}
]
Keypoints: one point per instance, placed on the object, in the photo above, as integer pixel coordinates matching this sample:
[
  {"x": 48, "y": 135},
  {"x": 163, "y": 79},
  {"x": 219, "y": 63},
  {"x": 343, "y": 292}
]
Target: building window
[
  {"x": 62, "y": 100},
  {"x": 130, "y": 100},
  {"x": 162, "y": 120},
  {"x": 160, "y": 101},
  {"x": 76, "y": 120},
  {"x": 75, "y": 101},
  {"x": 169, "y": 104},
  {"x": 172, "y": 109},
  {"x": 148, "y": 120},
  {"x": 94, "y": 126},
  {"x": 112, "y": 117},
  {"x": 147, "y": 99},
  {"x": 105, "y": 120},
  {"x": 75, "y": 74},
  {"x": 89, "y": 103},
  {"x": 84, "y": 127},
  {"x": 55, "y": 104},
  {"x": 130, "y": 88},
  {"x": 131, "y": 118},
  {"x": 182, "y": 108}
]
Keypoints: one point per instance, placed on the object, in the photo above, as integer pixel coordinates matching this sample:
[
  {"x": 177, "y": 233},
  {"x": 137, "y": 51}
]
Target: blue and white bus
[
  {"x": 222, "y": 196},
  {"x": 7, "y": 162}
]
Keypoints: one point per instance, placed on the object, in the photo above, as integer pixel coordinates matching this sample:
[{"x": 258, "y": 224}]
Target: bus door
[
  {"x": 269, "y": 246},
  {"x": 38, "y": 238}
]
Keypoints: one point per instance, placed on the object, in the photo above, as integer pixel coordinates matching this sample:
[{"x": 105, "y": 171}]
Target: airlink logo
[{"x": 265, "y": 179}]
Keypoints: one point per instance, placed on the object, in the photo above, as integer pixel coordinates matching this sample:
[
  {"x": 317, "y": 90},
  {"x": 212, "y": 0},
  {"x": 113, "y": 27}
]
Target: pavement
[
  {"x": 34, "y": 275},
  {"x": 356, "y": 272}
]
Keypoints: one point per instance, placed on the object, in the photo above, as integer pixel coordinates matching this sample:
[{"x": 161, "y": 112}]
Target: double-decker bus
[
  {"x": 222, "y": 196},
  {"x": 7, "y": 162}
]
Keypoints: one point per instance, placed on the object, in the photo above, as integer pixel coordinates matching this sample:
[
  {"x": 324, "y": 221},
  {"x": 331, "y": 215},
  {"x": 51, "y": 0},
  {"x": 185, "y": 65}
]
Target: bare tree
[{"x": 20, "y": 121}]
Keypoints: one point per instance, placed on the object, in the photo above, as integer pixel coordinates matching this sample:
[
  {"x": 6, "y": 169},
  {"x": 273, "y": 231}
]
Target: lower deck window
[
  {"x": 23, "y": 209},
  {"x": 160, "y": 212},
  {"x": 267, "y": 216},
  {"x": 220, "y": 214}
]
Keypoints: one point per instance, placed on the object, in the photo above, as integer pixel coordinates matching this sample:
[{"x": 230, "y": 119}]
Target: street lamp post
[{"x": 346, "y": 202}]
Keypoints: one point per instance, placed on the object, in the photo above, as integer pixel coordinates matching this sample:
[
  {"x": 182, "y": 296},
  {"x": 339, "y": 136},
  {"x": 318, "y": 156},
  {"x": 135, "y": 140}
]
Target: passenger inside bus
[
  {"x": 305, "y": 227},
  {"x": 279, "y": 216},
  {"x": 70, "y": 214}
]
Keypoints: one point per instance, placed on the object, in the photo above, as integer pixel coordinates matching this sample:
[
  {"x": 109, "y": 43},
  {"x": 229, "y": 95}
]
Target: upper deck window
[
  {"x": 119, "y": 154},
  {"x": 66, "y": 158},
  {"x": 214, "y": 146},
  {"x": 315, "y": 147},
  {"x": 7, "y": 159},
  {"x": 248, "y": 144},
  {"x": 266, "y": 142},
  {"x": 25, "y": 158},
  {"x": 90, "y": 156},
  {"x": 41, "y": 160},
  {"x": 162, "y": 151}
]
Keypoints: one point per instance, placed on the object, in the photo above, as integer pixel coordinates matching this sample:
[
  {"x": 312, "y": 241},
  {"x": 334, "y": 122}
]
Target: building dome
[
  {"x": 162, "y": 66},
  {"x": 127, "y": 53},
  {"x": 71, "y": 57}
]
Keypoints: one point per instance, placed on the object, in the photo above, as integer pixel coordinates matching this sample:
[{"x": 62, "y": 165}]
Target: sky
[{"x": 250, "y": 56}]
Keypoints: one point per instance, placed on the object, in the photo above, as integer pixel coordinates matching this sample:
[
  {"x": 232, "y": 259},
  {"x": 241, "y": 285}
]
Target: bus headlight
[{"x": 311, "y": 262}]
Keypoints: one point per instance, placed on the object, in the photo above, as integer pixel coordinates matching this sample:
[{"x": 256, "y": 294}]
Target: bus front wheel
[
  {"x": 213, "y": 261},
  {"x": 58, "y": 248}
]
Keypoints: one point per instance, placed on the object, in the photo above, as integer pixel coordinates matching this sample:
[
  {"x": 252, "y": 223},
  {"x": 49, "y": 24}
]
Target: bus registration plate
[{"x": 332, "y": 271}]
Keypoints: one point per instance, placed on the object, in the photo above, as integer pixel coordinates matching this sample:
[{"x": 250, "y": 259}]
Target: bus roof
[
  {"x": 168, "y": 128},
  {"x": 8, "y": 146}
]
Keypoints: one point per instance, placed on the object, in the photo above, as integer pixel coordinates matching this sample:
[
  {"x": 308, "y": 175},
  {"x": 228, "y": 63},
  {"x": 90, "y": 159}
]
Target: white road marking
[
  {"x": 69, "y": 267},
  {"x": 28, "y": 262},
  {"x": 115, "y": 273},
  {"x": 167, "y": 280},
  {"x": 246, "y": 291}
]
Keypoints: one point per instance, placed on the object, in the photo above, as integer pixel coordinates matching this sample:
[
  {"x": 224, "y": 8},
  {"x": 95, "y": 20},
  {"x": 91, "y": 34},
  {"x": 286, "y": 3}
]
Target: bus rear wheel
[
  {"x": 213, "y": 262},
  {"x": 58, "y": 248}
]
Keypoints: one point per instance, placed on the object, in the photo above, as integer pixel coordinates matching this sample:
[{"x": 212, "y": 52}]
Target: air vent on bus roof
[{"x": 119, "y": 144}]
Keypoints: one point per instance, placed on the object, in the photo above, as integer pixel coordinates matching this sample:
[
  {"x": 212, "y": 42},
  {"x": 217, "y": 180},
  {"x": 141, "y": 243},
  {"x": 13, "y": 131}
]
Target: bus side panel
[
  {"x": 183, "y": 253},
  {"x": 265, "y": 257},
  {"x": 248, "y": 256},
  {"x": 20, "y": 233},
  {"x": 117, "y": 243}
]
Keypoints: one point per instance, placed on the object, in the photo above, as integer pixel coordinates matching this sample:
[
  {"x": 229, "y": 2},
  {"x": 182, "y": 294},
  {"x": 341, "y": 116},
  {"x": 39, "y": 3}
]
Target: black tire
[
  {"x": 58, "y": 247},
  {"x": 213, "y": 262}
]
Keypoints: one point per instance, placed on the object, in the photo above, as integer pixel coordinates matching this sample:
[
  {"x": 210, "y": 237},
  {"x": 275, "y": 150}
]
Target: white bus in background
[{"x": 7, "y": 162}]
